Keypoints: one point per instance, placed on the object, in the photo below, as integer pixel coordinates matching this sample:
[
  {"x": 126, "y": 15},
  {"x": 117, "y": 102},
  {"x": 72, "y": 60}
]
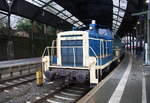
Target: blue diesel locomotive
[{"x": 79, "y": 55}]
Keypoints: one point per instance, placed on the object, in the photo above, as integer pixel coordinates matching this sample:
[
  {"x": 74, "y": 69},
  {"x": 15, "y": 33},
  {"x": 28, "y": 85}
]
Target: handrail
[
  {"x": 95, "y": 55},
  {"x": 52, "y": 50},
  {"x": 72, "y": 47},
  {"x": 44, "y": 52},
  {"x": 100, "y": 50}
]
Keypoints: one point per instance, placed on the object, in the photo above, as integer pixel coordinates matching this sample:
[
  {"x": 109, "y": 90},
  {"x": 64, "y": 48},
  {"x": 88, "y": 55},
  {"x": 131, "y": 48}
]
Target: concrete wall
[{"x": 20, "y": 47}]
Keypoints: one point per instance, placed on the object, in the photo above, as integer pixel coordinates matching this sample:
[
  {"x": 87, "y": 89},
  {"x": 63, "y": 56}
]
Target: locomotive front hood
[{"x": 94, "y": 32}]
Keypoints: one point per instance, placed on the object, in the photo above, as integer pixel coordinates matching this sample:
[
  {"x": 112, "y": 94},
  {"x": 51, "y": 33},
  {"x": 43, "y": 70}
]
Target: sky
[{"x": 14, "y": 20}]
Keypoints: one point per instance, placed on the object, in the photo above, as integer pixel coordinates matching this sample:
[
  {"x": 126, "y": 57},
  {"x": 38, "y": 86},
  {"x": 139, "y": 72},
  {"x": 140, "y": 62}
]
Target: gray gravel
[{"x": 28, "y": 92}]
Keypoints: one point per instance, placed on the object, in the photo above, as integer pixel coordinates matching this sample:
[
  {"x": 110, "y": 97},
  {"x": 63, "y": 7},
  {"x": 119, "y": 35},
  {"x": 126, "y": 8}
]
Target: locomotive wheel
[
  {"x": 81, "y": 78},
  {"x": 107, "y": 69}
]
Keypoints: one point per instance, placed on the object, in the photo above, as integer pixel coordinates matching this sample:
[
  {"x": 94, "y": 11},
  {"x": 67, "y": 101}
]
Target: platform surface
[
  {"x": 9, "y": 63},
  {"x": 128, "y": 83}
]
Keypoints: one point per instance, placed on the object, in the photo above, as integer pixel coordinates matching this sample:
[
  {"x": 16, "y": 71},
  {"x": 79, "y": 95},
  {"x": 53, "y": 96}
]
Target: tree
[
  {"x": 3, "y": 21},
  {"x": 2, "y": 25},
  {"x": 51, "y": 30},
  {"x": 24, "y": 25}
]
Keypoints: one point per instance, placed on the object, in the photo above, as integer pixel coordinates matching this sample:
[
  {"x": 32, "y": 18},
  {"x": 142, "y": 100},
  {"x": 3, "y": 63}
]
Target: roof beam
[
  {"x": 46, "y": 4},
  {"x": 119, "y": 8},
  {"x": 118, "y": 15},
  {"x": 68, "y": 17},
  {"x": 117, "y": 20},
  {"x": 116, "y": 24},
  {"x": 3, "y": 13},
  {"x": 58, "y": 11},
  {"x": 28, "y": 10},
  {"x": 37, "y": 12},
  {"x": 3, "y": 17},
  {"x": 115, "y": 28}
]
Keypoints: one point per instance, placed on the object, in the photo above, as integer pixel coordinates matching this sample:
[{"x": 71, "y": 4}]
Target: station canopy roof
[
  {"x": 113, "y": 14},
  {"x": 54, "y": 8}
]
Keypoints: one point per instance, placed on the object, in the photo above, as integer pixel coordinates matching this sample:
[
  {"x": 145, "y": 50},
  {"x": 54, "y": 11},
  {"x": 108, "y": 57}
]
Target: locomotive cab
[{"x": 70, "y": 47}]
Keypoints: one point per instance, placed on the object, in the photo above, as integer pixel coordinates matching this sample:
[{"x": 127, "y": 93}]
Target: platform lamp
[
  {"x": 9, "y": 2},
  {"x": 147, "y": 1},
  {"x": 10, "y": 46}
]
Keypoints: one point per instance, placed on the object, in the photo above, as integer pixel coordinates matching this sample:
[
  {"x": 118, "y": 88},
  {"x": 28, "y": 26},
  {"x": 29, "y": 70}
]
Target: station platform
[
  {"x": 128, "y": 83},
  {"x": 12, "y": 63},
  {"x": 18, "y": 67}
]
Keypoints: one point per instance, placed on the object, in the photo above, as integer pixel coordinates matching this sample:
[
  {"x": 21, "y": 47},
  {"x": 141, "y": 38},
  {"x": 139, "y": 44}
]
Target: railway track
[
  {"x": 20, "y": 90},
  {"x": 13, "y": 82},
  {"x": 71, "y": 93},
  {"x": 65, "y": 94}
]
